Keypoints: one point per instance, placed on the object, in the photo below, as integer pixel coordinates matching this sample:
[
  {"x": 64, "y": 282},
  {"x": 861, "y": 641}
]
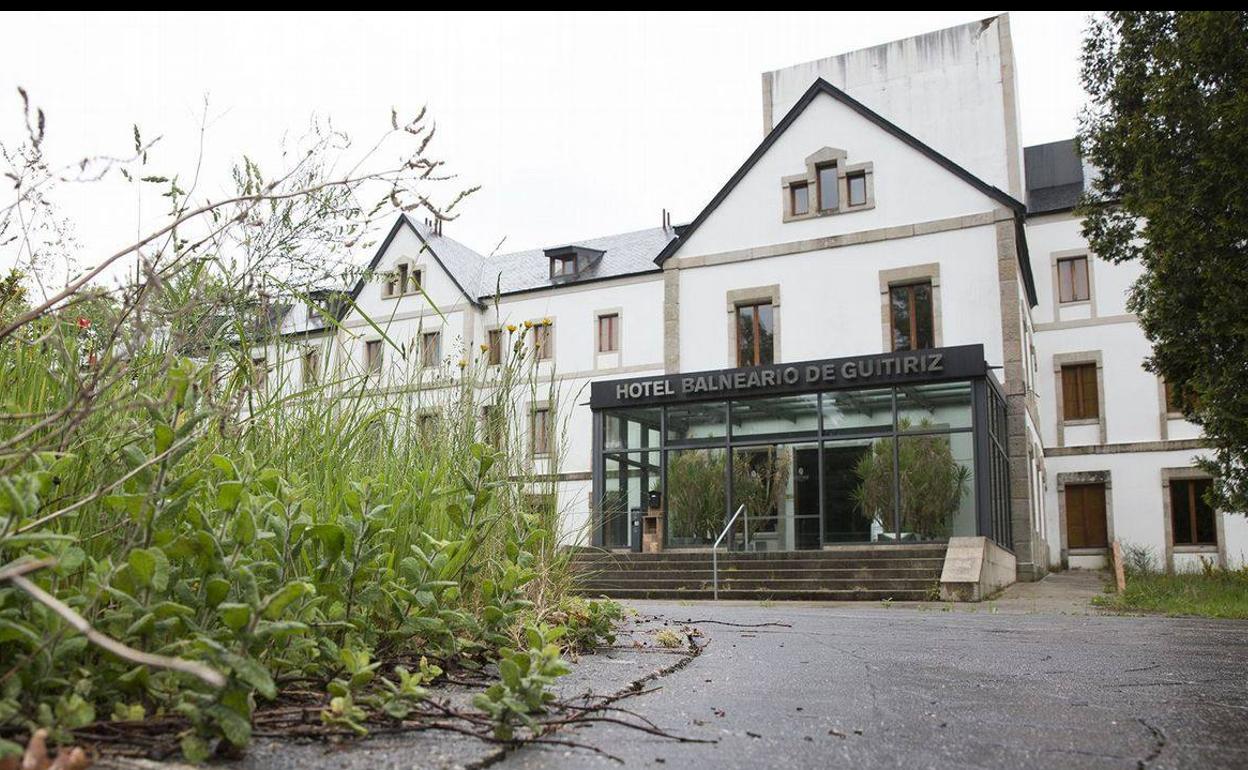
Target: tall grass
[{"x": 274, "y": 533}]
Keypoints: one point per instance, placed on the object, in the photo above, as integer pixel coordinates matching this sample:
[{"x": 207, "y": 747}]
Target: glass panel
[
  {"x": 627, "y": 479},
  {"x": 937, "y": 475},
  {"x": 779, "y": 487},
  {"x": 934, "y": 406},
  {"x": 829, "y": 193},
  {"x": 697, "y": 422},
  {"x": 782, "y": 414},
  {"x": 745, "y": 335},
  {"x": 633, "y": 428},
  {"x": 858, "y": 410},
  {"x": 899, "y": 302},
  {"x": 925, "y": 336},
  {"x": 697, "y": 499},
  {"x": 801, "y": 199},
  {"x": 766, "y": 334},
  {"x": 857, "y": 189},
  {"x": 857, "y": 490}
]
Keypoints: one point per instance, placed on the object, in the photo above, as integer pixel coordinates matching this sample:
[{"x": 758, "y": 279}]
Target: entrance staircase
[{"x": 843, "y": 573}]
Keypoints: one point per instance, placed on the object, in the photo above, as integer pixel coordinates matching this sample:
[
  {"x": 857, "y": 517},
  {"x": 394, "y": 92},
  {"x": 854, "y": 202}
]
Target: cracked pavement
[{"x": 867, "y": 686}]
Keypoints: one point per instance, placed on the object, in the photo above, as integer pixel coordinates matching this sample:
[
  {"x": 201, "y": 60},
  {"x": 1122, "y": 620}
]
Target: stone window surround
[
  {"x": 1090, "y": 302},
  {"x": 753, "y": 295},
  {"x": 421, "y": 333},
  {"x": 1083, "y": 477},
  {"x": 551, "y": 416},
  {"x": 530, "y": 338},
  {"x": 310, "y": 354},
  {"x": 412, "y": 267},
  {"x": 1068, "y": 359},
  {"x": 1218, "y": 551},
  {"x": 373, "y": 373},
  {"x": 618, "y": 312},
  {"x": 1163, "y": 409},
  {"x": 502, "y": 341},
  {"x": 903, "y": 276},
  {"x": 824, "y": 157}
]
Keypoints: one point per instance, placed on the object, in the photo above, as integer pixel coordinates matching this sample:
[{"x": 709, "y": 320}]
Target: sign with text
[{"x": 831, "y": 374}]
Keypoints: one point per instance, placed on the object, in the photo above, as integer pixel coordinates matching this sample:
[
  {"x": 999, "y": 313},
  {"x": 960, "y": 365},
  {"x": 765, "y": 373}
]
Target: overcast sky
[{"x": 575, "y": 125}]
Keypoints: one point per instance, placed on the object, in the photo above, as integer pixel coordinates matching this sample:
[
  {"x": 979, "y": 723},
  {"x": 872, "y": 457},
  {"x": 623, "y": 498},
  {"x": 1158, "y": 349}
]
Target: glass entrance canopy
[{"x": 902, "y": 447}]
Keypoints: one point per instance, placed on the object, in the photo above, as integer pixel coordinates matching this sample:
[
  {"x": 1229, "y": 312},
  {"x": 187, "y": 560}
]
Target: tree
[
  {"x": 931, "y": 480},
  {"x": 1167, "y": 131}
]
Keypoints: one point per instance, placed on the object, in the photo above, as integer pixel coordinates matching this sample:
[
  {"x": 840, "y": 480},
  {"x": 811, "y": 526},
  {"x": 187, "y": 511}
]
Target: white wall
[
  {"x": 909, "y": 187},
  {"x": 950, "y": 88},
  {"x": 830, "y": 303}
]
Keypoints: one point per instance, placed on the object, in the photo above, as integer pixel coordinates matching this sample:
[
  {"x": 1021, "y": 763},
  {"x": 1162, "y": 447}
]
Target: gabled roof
[
  {"x": 479, "y": 277},
  {"x": 461, "y": 263},
  {"x": 623, "y": 254},
  {"x": 1055, "y": 178},
  {"x": 821, "y": 86}
]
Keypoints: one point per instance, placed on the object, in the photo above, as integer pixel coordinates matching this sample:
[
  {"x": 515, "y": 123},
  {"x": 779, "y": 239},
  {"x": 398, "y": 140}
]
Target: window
[
  {"x": 799, "y": 199},
  {"x": 1072, "y": 280},
  {"x": 403, "y": 269},
  {"x": 372, "y": 356},
  {"x": 1085, "y": 516},
  {"x": 1192, "y": 517},
  {"x": 756, "y": 334},
  {"x": 494, "y": 346},
  {"x": 539, "y": 431},
  {"x": 542, "y": 341},
  {"x": 492, "y": 426},
  {"x": 1174, "y": 399},
  {"x": 1079, "y": 392},
  {"x": 857, "y": 183},
  {"x": 609, "y": 333},
  {"x": 405, "y": 279},
  {"x": 829, "y": 192},
  {"x": 911, "y": 316},
  {"x": 259, "y": 372},
  {"x": 311, "y": 366},
  {"x": 430, "y": 348},
  {"x": 565, "y": 265}
]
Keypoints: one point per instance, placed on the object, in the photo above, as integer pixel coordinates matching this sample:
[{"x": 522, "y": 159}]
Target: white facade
[{"x": 937, "y": 141}]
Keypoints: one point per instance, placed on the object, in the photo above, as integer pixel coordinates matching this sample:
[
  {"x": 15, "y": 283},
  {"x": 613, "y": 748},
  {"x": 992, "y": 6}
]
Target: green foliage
[
  {"x": 696, "y": 493},
  {"x": 291, "y": 547},
  {"x": 932, "y": 482},
  {"x": 1167, "y": 130},
  {"x": 1210, "y": 593},
  {"x": 524, "y": 678},
  {"x": 589, "y": 622}
]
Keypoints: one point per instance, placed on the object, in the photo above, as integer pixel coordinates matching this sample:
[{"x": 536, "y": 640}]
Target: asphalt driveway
[{"x": 863, "y": 686}]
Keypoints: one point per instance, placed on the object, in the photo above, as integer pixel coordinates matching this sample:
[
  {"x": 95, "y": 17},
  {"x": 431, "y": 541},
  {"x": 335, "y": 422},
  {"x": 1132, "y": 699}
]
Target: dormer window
[{"x": 568, "y": 263}]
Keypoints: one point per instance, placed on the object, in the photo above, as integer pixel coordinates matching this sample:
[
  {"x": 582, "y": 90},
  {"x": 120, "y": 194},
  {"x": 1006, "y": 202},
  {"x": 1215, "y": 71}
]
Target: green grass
[
  {"x": 1211, "y": 594},
  {"x": 325, "y": 536}
]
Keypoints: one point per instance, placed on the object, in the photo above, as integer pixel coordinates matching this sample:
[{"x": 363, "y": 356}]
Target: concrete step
[
  {"x": 784, "y": 586},
  {"x": 863, "y": 594},
  {"x": 935, "y": 564},
  {"x": 879, "y": 552},
  {"x": 901, "y": 572},
  {"x": 766, "y": 572}
]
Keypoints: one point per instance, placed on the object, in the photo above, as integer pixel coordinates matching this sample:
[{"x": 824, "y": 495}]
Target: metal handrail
[{"x": 720, "y": 539}]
